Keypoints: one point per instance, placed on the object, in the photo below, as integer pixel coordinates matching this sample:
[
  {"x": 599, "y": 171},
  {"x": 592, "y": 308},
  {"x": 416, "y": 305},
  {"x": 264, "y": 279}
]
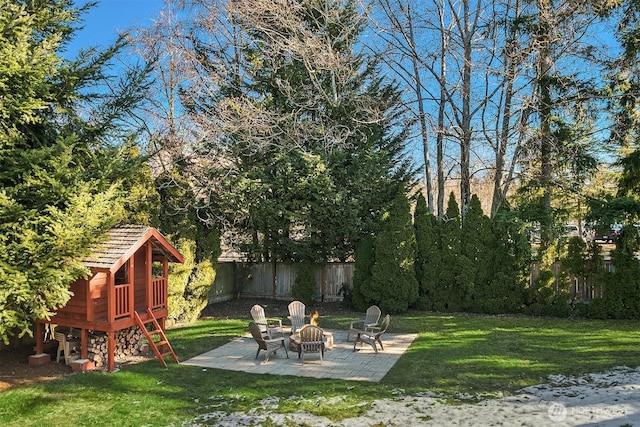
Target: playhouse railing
[
  {"x": 159, "y": 292},
  {"x": 122, "y": 302}
]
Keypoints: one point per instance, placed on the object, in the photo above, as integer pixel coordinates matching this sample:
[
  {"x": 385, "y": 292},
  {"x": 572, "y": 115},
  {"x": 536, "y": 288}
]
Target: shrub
[
  {"x": 304, "y": 286},
  {"x": 597, "y": 309},
  {"x": 428, "y": 254},
  {"x": 364, "y": 261},
  {"x": 189, "y": 285},
  {"x": 393, "y": 285}
]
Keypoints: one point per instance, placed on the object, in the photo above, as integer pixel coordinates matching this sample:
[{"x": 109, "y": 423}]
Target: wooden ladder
[{"x": 161, "y": 343}]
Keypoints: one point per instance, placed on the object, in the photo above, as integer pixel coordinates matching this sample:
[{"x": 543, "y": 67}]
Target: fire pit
[{"x": 294, "y": 339}]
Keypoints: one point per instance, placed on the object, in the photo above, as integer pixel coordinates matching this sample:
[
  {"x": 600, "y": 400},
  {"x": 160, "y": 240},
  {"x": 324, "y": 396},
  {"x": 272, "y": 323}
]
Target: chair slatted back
[
  {"x": 257, "y": 334},
  {"x": 257, "y": 313},
  {"x": 384, "y": 325},
  {"x": 296, "y": 315},
  {"x": 373, "y": 315},
  {"x": 311, "y": 339}
]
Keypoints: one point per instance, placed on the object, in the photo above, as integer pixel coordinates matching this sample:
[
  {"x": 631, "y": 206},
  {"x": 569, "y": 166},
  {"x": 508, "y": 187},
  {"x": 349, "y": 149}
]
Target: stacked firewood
[{"x": 128, "y": 342}]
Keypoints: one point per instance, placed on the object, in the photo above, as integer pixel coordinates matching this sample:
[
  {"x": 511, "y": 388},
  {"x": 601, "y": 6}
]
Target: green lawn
[{"x": 453, "y": 354}]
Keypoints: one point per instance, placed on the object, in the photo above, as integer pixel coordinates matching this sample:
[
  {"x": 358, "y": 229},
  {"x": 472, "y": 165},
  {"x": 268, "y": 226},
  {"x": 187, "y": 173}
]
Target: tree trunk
[{"x": 422, "y": 118}]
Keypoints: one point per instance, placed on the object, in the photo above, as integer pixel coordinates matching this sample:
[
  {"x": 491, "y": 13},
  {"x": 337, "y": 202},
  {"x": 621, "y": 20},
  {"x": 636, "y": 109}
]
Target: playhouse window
[
  {"x": 157, "y": 269},
  {"x": 122, "y": 275}
]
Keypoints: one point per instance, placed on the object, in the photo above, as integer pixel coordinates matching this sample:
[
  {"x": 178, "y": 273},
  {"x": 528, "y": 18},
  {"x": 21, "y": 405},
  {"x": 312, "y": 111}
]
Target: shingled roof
[{"x": 122, "y": 242}]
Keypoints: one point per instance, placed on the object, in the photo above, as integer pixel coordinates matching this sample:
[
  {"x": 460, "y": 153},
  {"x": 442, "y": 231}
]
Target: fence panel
[
  {"x": 256, "y": 280},
  {"x": 335, "y": 277},
  {"x": 223, "y": 288},
  {"x": 285, "y": 277},
  {"x": 260, "y": 283}
]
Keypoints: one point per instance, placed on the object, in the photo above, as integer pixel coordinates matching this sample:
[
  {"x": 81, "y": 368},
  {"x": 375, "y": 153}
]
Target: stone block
[
  {"x": 82, "y": 365},
  {"x": 39, "y": 359}
]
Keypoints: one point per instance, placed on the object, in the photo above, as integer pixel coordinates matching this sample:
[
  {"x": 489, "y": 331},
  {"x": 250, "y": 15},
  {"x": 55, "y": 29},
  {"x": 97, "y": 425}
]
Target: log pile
[{"x": 128, "y": 342}]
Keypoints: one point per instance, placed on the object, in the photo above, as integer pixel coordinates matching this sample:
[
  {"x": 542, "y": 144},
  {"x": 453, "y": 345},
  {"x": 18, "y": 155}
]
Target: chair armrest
[
  {"x": 304, "y": 318},
  {"x": 365, "y": 337},
  {"x": 357, "y": 324},
  {"x": 272, "y": 321}
]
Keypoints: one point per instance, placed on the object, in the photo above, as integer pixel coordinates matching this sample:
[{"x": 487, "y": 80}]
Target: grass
[{"x": 453, "y": 355}]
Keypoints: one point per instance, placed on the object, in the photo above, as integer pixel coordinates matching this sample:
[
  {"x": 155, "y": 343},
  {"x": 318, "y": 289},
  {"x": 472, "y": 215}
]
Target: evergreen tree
[
  {"x": 512, "y": 252},
  {"x": 189, "y": 283},
  {"x": 311, "y": 129},
  {"x": 393, "y": 285},
  {"x": 428, "y": 254},
  {"x": 621, "y": 294},
  {"x": 304, "y": 286},
  {"x": 61, "y": 185},
  {"x": 478, "y": 244},
  {"x": 450, "y": 295},
  {"x": 365, "y": 259}
]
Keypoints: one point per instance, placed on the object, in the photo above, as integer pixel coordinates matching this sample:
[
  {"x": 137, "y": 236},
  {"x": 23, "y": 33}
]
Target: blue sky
[{"x": 103, "y": 22}]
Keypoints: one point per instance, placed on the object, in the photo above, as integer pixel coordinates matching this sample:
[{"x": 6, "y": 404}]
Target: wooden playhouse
[{"x": 127, "y": 287}]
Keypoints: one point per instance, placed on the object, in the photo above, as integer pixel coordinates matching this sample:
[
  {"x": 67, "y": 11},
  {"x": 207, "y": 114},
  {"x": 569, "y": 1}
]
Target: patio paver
[{"x": 341, "y": 362}]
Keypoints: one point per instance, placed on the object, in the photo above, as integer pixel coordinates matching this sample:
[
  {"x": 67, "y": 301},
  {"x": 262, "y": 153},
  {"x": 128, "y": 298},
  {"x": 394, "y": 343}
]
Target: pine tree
[
  {"x": 312, "y": 128},
  {"x": 60, "y": 182},
  {"x": 393, "y": 285}
]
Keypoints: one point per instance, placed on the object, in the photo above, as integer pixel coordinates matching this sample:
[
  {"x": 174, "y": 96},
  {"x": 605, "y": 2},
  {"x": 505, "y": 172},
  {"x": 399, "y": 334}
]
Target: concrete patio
[{"x": 341, "y": 362}]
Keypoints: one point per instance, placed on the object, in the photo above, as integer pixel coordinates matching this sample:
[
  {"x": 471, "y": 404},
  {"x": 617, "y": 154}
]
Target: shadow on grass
[
  {"x": 499, "y": 354},
  {"x": 470, "y": 354}
]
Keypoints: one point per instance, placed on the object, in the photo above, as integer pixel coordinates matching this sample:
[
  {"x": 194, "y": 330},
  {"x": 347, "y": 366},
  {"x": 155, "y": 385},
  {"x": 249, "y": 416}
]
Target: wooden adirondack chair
[
  {"x": 371, "y": 338},
  {"x": 369, "y": 323},
  {"x": 269, "y": 345},
  {"x": 270, "y": 326},
  {"x": 297, "y": 315},
  {"x": 311, "y": 342}
]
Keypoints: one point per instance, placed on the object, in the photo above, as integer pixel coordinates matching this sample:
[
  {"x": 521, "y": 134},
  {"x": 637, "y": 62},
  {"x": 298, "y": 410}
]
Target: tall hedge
[
  {"x": 365, "y": 258},
  {"x": 393, "y": 285},
  {"x": 450, "y": 295},
  {"x": 477, "y": 247},
  {"x": 621, "y": 297},
  {"x": 428, "y": 254},
  {"x": 511, "y": 269}
]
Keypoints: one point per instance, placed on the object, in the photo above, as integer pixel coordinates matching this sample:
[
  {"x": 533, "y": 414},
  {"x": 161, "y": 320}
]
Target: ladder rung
[{"x": 163, "y": 342}]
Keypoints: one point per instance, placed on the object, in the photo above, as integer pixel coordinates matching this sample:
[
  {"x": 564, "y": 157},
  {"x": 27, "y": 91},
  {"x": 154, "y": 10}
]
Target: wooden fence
[
  {"x": 275, "y": 280},
  {"x": 579, "y": 290}
]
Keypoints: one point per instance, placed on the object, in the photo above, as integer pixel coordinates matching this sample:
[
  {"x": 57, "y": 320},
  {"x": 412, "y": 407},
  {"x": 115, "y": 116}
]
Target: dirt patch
[{"x": 15, "y": 369}]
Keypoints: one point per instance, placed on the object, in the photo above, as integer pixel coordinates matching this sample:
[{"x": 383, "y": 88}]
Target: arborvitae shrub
[
  {"x": 304, "y": 287},
  {"x": 365, "y": 258},
  {"x": 393, "y": 283},
  {"x": 428, "y": 254}
]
